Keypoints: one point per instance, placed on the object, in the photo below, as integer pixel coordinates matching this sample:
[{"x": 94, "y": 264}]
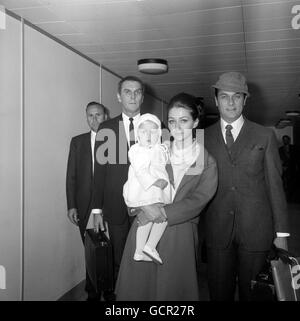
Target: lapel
[
  {"x": 240, "y": 143},
  {"x": 220, "y": 146},
  {"x": 195, "y": 169},
  {"x": 122, "y": 144},
  {"x": 118, "y": 124},
  {"x": 122, "y": 133},
  {"x": 169, "y": 170},
  {"x": 185, "y": 179},
  {"x": 244, "y": 138},
  {"x": 88, "y": 152}
]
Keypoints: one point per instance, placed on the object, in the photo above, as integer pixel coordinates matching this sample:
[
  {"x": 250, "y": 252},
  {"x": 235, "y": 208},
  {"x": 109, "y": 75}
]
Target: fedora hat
[{"x": 232, "y": 81}]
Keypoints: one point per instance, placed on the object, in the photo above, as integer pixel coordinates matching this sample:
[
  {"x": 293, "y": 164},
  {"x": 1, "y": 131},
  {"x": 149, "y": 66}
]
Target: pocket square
[{"x": 257, "y": 147}]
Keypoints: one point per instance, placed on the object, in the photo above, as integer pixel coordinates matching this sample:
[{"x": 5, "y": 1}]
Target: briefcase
[
  {"x": 262, "y": 287},
  {"x": 286, "y": 277},
  {"x": 279, "y": 278},
  {"x": 99, "y": 260}
]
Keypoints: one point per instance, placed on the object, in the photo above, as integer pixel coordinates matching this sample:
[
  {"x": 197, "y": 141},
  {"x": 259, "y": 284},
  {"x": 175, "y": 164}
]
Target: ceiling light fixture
[
  {"x": 292, "y": 113},
  {"x": 285, "y": 121},
  {"x": 153, "y": 66}
]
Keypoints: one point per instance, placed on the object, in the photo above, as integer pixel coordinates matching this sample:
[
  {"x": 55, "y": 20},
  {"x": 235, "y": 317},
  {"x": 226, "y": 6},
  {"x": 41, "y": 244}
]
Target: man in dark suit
[
  {"x": 248, "y": 212},
  {"x": 79, "y": 182},
  {"x": 111, "y": 164}
]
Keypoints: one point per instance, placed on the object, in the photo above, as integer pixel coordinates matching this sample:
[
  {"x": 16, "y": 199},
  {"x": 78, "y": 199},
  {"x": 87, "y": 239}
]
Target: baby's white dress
[{"x": 147, "y": 164}]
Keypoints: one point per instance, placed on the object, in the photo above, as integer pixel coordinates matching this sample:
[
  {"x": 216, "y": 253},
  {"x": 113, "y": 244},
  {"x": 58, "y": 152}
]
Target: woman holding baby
[{"x": 159, "y": 261}]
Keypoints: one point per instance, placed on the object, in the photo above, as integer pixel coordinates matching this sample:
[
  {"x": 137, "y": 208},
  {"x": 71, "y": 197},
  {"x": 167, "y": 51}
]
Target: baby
[{"x": 148, "y": 183}]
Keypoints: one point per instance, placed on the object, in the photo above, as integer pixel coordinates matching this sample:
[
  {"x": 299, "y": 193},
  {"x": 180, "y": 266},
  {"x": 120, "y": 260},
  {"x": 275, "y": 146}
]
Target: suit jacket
[
  {"x": 250, "y": 201},
  {"x": 79, "y": 182},
  {"x": 195, "y": 190},
  {"x": 109, "y": 177}
]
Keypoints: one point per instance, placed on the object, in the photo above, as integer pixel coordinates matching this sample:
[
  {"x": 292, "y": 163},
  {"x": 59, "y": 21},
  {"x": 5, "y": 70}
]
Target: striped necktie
[
  {"x": 228, "y": 136},
  {"x": 131, "y": 132}
]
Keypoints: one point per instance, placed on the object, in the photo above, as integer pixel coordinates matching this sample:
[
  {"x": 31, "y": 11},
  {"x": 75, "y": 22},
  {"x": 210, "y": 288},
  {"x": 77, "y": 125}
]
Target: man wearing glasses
[
  {"x": 114, "y": 139},
  {"x": 248, "y": 212}
]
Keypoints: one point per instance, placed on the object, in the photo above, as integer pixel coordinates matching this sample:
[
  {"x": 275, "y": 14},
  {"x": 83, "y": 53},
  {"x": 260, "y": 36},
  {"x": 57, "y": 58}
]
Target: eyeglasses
[
  {"x": 228, "y": 98},
  {"x": 136, "y": 93}
]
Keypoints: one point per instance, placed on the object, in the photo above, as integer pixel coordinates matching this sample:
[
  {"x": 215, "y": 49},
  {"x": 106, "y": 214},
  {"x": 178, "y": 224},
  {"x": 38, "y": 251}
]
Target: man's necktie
[
  {"x": 131, "y": 132},
  {"x": 228, "y": 136}
]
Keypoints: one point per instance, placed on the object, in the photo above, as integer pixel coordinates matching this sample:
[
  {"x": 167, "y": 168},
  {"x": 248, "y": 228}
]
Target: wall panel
[
  {"x": 58, "y": 85},
  {"x": 10, "y": 157},
  {"x": 109, "y": 89}
]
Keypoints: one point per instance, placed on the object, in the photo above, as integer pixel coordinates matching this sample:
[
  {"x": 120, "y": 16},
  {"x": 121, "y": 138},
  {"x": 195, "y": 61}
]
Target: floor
[{"x": 78, "y": 294}]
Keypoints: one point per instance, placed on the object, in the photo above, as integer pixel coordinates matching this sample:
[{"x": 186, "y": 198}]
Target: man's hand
[
  {"x": 98, "y": 222},
  {"x": 281, "y": 242},
  {"x": 161, "y": 183},
  {"x": 73, "y": 216}
]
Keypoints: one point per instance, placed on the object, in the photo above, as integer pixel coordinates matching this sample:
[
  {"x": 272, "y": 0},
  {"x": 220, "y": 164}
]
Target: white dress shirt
[
  {"x": 236, "y": 128},
  {"x": 93, "y": 140},
  {"x": 126, "y": 123},
  {"x": 90, "y": 223}
]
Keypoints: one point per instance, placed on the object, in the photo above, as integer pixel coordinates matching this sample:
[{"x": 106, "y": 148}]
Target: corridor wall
[
  {"x": 58, "y": 86},
  {"x": 10, "y": 160}
]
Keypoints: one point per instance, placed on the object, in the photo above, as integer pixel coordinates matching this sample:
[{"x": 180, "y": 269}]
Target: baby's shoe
[
  {"x": 153, "y": 254},
  {"x": 141, "y": 257}
]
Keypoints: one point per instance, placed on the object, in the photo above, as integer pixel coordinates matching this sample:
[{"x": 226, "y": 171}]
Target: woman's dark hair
[{"x": 186, "y": 101}]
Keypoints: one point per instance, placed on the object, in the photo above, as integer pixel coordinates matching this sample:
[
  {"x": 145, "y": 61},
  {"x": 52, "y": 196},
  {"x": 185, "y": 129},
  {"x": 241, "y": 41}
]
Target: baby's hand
[{"x": 161, "y": 183}]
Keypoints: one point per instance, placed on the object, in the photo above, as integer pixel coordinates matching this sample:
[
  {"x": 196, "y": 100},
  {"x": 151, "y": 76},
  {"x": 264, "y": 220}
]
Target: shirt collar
[
  {"x": 126, "y": 118},
  {"x": 236, "y": 125},
  {"x": 93, "y": 134}
]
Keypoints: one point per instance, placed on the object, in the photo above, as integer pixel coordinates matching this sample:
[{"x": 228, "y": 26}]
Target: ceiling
[{"x": 199, "y": 38}]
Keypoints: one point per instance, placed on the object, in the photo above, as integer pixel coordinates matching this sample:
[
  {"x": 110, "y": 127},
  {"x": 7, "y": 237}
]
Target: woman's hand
[
  {"x": 161, "y": 183},
  {"x": 151, "y": 213}
]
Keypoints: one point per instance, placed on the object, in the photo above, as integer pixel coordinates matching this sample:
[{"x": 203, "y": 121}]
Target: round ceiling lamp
[
  {"x": 283, "y": 122},
  {"x": 292, "y": 113},
  {"x": 153, "y": 66}
]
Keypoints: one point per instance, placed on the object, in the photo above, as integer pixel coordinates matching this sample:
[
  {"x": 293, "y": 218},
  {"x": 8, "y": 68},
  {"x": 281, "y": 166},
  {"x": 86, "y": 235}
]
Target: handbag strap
[{"x": 278, "y": 253}]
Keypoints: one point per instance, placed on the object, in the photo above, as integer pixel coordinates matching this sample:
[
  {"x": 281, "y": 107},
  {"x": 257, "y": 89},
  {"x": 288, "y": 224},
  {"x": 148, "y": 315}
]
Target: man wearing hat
[{"x": 248, "y": 212}]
